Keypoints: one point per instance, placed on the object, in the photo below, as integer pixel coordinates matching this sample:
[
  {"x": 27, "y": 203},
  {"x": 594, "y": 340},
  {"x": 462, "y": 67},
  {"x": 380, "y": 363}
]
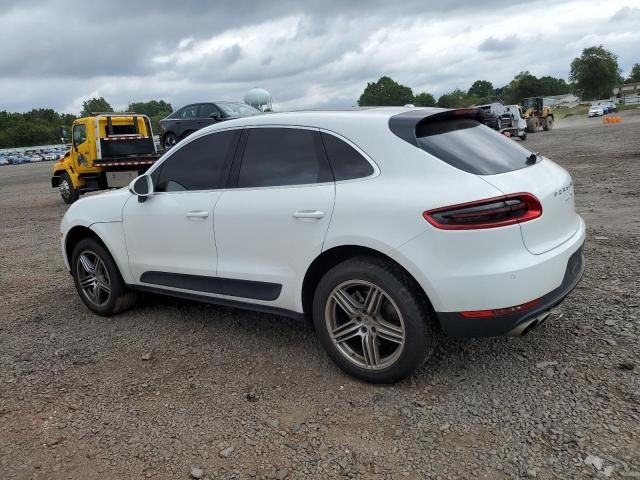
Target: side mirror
[
  {"x": 63, "y": 133},
  {"x": 215, "y": 116},
  {"x": 142, "y": 186}
]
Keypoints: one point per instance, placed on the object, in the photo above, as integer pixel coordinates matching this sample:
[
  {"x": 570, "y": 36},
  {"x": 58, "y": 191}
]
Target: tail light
[{"x": 488, "y": 213}]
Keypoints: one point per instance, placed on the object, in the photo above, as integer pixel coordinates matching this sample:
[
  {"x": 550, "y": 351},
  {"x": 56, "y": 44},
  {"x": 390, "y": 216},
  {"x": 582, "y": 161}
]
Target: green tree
[
  {"x": 37, "y": 127},
  {"x": 424, "y": 99},
  {"x": 156, "y": 110},
  {"x": 481, "y": 89},
  {"x": 456, "y": 98},
  {"x": 634, "y": 76},
  {"x": 595, "y": 73},
  {"x": 95, "y": 105},
  {"x": 385, "y": 92}
]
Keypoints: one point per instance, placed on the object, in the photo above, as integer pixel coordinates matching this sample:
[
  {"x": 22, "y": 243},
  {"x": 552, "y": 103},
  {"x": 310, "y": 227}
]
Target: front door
[
  {"x": 81, "y": 150},
  {"x": 273, "y": 223},
  {"x": 170, "y": 236}
]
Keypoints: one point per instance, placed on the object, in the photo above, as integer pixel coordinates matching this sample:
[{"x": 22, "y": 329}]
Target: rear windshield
[{"x": 471, "y": 146}]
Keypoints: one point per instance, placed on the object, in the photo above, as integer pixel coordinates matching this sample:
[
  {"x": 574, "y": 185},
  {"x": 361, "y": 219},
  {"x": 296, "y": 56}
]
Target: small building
[
  {"x": 259, "y": 98},
  {"x": 566, "y": 100}
]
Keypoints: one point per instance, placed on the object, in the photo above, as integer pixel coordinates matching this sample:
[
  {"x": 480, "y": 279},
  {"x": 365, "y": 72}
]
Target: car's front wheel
[
  {"x": 373, "y": 320},
  {"x": 98, "y": 280}
]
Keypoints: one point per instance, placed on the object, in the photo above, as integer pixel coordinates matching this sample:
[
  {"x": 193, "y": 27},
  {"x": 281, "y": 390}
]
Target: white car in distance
[
  {"x": 386, "y": 227},
  {"x": 596, "y": 111}
]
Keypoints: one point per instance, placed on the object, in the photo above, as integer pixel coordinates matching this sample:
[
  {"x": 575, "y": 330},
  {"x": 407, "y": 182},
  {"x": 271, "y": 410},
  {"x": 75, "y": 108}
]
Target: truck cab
[{"x": 107, "y": 151}]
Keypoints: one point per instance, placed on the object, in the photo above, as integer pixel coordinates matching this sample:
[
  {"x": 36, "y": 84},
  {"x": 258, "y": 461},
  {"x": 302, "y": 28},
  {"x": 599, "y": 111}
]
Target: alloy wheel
[
  {"x": 365, "y": 324},
  {"x": 93, "y": 278}
]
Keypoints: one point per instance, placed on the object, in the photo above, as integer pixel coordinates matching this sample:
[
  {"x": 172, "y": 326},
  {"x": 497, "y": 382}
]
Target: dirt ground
[{"x": 171, "y": 385}]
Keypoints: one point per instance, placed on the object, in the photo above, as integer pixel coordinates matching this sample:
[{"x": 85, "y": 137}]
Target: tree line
[
  {"x": 42, "y": 126},
  {"x": 593, "y": 75}
]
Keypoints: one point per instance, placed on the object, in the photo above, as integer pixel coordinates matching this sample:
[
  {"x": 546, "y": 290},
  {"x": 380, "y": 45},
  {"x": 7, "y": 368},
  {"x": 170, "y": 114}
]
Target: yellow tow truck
[{"x": 108, "y": 150}]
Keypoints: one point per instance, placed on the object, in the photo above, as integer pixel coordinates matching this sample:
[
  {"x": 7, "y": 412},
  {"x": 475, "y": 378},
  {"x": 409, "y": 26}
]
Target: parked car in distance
[
  {"x": 595, "y": 111},
  {"x": 190, "y": 118},
  {"x": 384, "y": 226},
  {"x": 4, "y": 160},
  {"x": 493, "y": 113},
  {"x": 512, "y": 117},
  {"x": 609, "y": 107}
]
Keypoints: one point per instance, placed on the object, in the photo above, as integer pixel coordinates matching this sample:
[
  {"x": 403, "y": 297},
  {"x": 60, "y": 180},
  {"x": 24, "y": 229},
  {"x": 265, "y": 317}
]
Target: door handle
[
  {"x": 198, "y": 214},
  {"x": 317, "y": 214}
]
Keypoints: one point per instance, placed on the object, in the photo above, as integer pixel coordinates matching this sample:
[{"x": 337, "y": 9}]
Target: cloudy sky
[{"x": 56, "y": 53}]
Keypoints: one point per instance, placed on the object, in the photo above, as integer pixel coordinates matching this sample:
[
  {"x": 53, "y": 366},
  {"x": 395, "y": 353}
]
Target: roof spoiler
[{"x": 405, "y": 124}]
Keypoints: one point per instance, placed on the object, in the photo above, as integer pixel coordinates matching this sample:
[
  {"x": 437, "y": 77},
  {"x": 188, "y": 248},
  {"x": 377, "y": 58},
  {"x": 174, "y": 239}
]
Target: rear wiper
[{"x": 533, "y": 158}]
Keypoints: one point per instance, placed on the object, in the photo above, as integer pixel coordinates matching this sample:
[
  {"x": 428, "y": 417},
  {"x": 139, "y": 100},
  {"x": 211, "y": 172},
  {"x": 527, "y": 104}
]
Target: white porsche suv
[{"x": 386, "y": 226}]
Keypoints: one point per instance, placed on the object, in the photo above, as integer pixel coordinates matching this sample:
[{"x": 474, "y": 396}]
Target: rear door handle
[
  {"x": 308, "y": 214},
  {"x": 198, "y": 214}
]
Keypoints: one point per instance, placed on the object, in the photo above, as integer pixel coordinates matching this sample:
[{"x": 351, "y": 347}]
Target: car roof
[{"x": 325, "y": 118}]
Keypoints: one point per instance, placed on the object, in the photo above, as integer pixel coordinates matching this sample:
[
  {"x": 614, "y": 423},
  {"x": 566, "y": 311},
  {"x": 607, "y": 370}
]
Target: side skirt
[{"x": 220, "y": 301}]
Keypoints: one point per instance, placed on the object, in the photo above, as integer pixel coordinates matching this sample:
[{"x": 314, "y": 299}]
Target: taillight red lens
[{"x": 488, "y": 213}]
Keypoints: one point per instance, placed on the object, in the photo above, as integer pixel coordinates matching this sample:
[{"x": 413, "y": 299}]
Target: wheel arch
[
  {"x": 104, "y": 233},
  {"x": 338, "y": 254}
]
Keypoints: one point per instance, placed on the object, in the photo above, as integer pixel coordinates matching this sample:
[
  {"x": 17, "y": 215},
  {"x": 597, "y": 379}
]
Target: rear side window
[
  {"x": 346, "y": 162},
  {"x": 470, "y": 146},
  {"x": 283, "y": 156},
  {"x": 202, "y": 164}
]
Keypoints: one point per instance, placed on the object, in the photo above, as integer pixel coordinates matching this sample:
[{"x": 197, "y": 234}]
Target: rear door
[{"x": 273, "y": 222}]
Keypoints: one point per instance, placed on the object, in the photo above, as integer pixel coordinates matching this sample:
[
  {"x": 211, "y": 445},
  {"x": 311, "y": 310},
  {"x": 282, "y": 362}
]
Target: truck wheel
[
  {"x": 98, "y": 279},
  {"x": 169, "y": 141},
  {"x": 373, "y": 320},
  {"x": 523, "y": 135},
  {"x": 68, "y": 192},
  {"x": 531, "y": 125},
  {"x": 548, "y": 123}
]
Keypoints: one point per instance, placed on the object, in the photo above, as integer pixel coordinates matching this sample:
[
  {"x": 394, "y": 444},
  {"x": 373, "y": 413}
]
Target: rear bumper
[{"x": 455, "y": 325}]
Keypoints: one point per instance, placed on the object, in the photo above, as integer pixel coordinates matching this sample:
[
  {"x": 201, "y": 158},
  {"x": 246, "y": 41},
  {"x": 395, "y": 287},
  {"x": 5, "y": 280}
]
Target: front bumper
[{"x": 454, "y": 324}]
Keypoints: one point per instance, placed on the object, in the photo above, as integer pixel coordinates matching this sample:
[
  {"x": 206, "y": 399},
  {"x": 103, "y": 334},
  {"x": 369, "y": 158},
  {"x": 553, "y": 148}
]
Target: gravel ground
[{"x": 173, "y": 389}]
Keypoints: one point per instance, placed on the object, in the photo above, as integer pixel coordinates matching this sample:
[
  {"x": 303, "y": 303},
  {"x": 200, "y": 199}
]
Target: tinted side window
[
  {"x": 202, "y": 164},
  {"x": 208, "y": 109},
  {"x": 346, "y": 162},
  {"x": 190, "y": 111},
  {"x": 283, "y": 156}
]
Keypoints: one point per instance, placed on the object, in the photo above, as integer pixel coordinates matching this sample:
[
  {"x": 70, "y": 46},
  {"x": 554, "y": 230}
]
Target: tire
[
  {"x": 548, "y": 123},
  {"x": 91, "y": 261},
  {"x": 405, "y": 338},
  {"x": 531, "y": 125},
  {"x": 169, "y": 141},
  {"x": 68, "y": 192},
  {"x": 523, "y": 137}
]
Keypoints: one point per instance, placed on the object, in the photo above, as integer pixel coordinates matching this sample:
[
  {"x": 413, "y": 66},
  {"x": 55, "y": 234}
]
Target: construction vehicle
[
  {"x": 537, "y": 114},
  {"x": 108, "y": 150}
]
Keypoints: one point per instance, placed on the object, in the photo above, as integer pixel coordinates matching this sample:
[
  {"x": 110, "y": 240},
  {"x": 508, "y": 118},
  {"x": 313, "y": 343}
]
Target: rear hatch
[{"x": 457, "y": 138}]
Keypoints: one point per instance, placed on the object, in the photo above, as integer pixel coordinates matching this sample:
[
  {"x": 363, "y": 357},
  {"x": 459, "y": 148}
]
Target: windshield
[{"x": 237, "y": 109}]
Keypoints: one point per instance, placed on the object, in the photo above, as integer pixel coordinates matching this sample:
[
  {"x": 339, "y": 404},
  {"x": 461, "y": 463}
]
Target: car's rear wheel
[
  {"x": 373, "y": 320},
  {"x": 68, "y": 192},
  {"x": 169, "y": 141},
  {"x": 98, "y": 280}
]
